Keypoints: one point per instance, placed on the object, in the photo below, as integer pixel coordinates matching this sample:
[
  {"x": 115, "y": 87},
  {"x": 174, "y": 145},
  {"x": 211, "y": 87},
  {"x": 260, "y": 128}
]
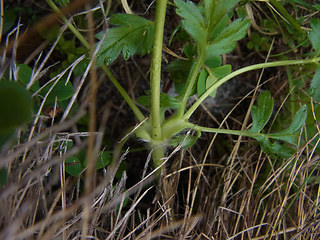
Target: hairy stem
[{"x": 155, "y": 78}]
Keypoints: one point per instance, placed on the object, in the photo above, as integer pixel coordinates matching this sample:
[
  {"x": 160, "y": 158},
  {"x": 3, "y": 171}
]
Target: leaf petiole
[
  {"x": 214, "y": 87},
  {"x": 191, "y": 80}
]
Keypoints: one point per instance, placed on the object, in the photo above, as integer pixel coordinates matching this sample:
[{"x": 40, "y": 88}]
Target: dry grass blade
[
  {"x": 91, "y": 153},
  {"x": 160, "y": 232}
]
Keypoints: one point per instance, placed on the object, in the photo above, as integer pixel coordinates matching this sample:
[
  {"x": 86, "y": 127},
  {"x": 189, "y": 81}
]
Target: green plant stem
[
  {"x": 123, "y": 93},
  {"x": 107, "y": 71},
  {"x": 70, "y": 26},
  {"x": 191, "y": 81},
  {"x": 240, "y": 71},
  {"x": 155, "y": 78},
  {"x": 225, "y": 131},
  {"x": 176, "y": 125}
]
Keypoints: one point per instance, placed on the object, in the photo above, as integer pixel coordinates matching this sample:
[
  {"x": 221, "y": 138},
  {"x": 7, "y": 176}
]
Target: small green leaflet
[
  {"x": 216, "y": 74},
  {"x": 206, "y": 80},
  {"x": 274, "y": 148},
  {"x": 226, "y": 41},
  {"x": 212, "y": 79},
  {"x": 291, "y": 134},
  {"x": 315, "y": 86},
  {"x": 217, "y": 15},
  {"x": 260, "y": 117},
  {"x": 190, "y": 49},
  {"x": 314, "y": 35},
  {"x": 213, "y": 62},
  {"x": 73, "y": 166},
  {"x": 194, "y": 22},
  {"x": 61, "y": 91},
  {"x": 208, "y": 25},
  {"x": 102, "y": 160},
  {"x": 133, "y": 35},
  {"x": 262, "y": 112}
]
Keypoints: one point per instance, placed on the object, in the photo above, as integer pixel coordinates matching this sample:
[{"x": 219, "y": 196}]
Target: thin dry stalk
[{"x": 91, "y": 154}]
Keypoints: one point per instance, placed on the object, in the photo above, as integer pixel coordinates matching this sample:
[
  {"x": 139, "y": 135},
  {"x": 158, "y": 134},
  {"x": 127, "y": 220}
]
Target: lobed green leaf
[
  {"x": 216, "y": 10},
  {"x": 134, "y": 35},
  {"x": 291, "y": 134},
  {"x": 274, "y": 148},
  {"x": 194, "y": 22},
  {"x": 226, "y": 41}
]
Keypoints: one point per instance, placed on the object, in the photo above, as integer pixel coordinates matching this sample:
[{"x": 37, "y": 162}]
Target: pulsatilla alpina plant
[{"x": 213, "y": 34}]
